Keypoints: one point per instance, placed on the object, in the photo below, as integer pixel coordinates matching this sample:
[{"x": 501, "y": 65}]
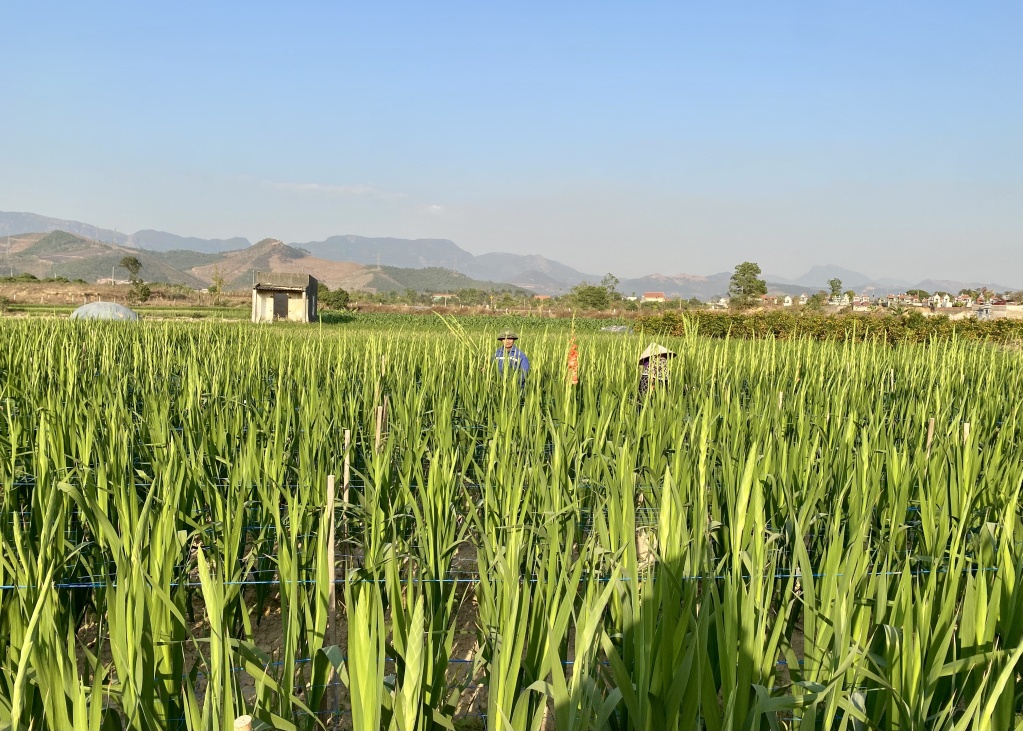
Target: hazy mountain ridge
[
  {"x": 425, "y": 253},
  {"x": 60, "y": 253},
  {"x": 12, "y": 224},
  {"x": 818, "y": 276},
  {"x": 542, "y": 274},
  {"x": 64, "y": 254},
  {"x": 192, "y": 260},
  {"x": 163, "y": 241}
]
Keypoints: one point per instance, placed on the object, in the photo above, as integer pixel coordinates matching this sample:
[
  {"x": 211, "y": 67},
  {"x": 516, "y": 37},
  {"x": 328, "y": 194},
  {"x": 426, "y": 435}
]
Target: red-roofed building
[{"x": 653, "y": 297}]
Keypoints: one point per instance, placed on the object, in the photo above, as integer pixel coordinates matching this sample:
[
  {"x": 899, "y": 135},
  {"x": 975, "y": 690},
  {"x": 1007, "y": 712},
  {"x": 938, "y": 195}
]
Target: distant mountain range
[
  {"x": 63, "y": 254},
  {"x": 818, "y": 276},
  {"x": 359, "y": 262},
  {"x": 529, "y": 270}
]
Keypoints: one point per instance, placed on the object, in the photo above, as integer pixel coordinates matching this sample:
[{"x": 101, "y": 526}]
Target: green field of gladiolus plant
[{"x": 331, "y": 528}]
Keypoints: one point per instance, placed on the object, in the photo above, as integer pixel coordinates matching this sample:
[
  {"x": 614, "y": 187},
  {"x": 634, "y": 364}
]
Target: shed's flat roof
[
  {"x": 277, "y": 288},
  {"x": 283, "y": 280}
]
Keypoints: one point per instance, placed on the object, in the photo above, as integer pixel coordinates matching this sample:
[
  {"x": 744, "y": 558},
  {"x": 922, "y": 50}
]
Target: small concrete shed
[{"x": 284, "y": 296}]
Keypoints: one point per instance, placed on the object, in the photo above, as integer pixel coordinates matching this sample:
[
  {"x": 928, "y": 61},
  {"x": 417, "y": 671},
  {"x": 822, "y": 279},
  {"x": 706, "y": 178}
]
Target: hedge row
[{"x": 913, "y": 327}]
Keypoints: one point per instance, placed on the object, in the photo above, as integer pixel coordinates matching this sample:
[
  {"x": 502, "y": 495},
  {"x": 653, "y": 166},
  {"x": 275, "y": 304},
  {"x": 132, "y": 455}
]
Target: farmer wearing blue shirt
[{"x": 509, "y": 352}]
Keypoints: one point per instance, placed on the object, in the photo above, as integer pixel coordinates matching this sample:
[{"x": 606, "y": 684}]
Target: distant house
[
  {"x": 541, "y": 296},
  {"x": 632, "y": 298},
  {"x": 787, "y": 302},
  {"x": 803, "y": 299},
  {"x": 443, "y": 296},
  {"x": 654, "y": 297},
  {"x": 768, "y": 299}
]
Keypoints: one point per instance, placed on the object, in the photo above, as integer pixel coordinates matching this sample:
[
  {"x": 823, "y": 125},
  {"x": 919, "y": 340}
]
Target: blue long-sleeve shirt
[{"x": 516, "y": 359}]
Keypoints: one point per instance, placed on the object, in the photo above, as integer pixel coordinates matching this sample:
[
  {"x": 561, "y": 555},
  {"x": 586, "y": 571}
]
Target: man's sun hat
[
  {"x": 506, "y": 334},
  {"x": 655, "y": 349}
]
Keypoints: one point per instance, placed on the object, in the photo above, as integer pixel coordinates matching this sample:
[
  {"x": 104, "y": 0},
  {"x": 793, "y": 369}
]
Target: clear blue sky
[{"x": 676, "y": 137}]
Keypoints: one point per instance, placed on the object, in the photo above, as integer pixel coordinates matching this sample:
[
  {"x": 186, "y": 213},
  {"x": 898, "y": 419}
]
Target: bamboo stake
[
  {"x": 380, "y": 418},
  {"x": 243, "y": 723},
  {"x": 930, "y": 436},
  {"x": 966, "y": 432},
  {"x": 780, "y": 397},
  {"x": 332, "y": 593},
  {"x": 329, "y": 515},
  {"x": 345, "y": 476}
]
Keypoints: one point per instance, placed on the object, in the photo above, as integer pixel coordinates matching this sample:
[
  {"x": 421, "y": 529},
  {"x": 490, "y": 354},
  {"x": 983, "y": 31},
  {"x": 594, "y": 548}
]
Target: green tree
[
  {"x": 472, "y": 296},
  {"x": 849, "y": 293},
  {"x": 589, "y": 297},
  {"x": 336, "y": 299},
  {"x": 139, "y": 291},
  {"x": 836, "y": 286},
  {"x": 816, "y": 301},
  {"x": 133, "y": 265},
  {"x": 217, "y": 288},
  {"x": 610, "y": 285},
  {"x": 969, "y": 293},
  {"x": 745, "y": 285},
  {"x": 922, "y": 294}
]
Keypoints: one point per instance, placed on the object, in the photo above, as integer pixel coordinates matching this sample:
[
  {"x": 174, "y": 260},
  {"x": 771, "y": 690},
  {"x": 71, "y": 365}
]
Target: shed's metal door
[{"x": 280, "y": 305}]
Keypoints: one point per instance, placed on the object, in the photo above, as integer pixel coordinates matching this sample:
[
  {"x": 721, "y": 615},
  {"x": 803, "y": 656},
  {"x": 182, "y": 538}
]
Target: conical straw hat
[{"x": 655, "y": 349}]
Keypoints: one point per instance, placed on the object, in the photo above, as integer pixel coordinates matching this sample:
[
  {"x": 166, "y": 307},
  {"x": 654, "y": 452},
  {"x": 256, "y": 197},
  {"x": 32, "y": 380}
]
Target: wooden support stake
[
  {"x": 332, "y": 568},
  {"x": 332, "y": 572},
  {"x": 380, "y": 418},
  {"x": 347, "y": 472},
  {"x": 930, "y": 436},
  {"x": 243, "y": 723},
  {"x": 966, "y": 432},
  {"x": 780, "y": 397},
  {"x": 891, "y": 378}
]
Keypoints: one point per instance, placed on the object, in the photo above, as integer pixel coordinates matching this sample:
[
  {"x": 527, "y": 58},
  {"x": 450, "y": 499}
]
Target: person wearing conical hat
[
  {"x": 653, "y": 365},
  {"x": 508, "y": 352}
]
